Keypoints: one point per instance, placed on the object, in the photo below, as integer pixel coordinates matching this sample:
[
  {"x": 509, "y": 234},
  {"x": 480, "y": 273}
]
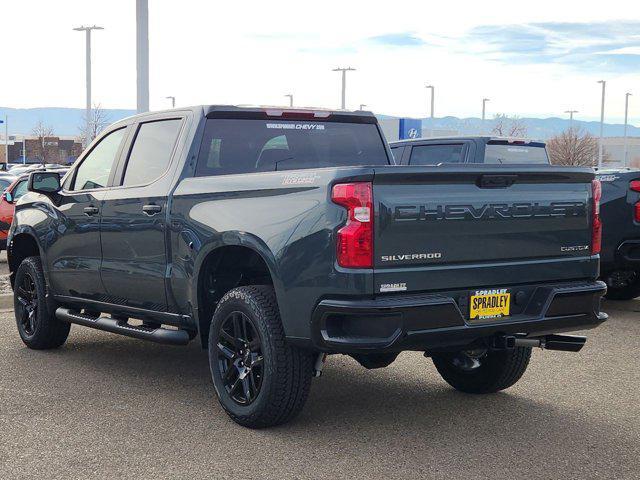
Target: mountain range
[{"x": 68, "y": 121}]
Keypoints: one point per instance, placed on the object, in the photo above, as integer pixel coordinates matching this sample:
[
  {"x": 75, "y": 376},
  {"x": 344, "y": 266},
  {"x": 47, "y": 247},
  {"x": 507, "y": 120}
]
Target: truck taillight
[
  {"x": 596, "y": 223},
  {"x": 634, "y": 185},
  {"x": 355, "y": 240}
]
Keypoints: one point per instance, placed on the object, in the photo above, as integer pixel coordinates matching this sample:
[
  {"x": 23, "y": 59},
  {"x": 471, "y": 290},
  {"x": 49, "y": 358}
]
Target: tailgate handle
[{"x": 496, "y": 181}]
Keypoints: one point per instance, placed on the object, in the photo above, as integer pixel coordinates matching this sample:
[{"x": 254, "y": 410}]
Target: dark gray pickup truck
[
  {"x": 276, "y": 237},
  {"x": 620, "y": 256}
]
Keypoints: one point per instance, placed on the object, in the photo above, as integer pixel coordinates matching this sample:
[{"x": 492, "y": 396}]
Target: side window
[
  {"x": 151, "y": 151},
  {"x": 397, "y": 154},
  {"x": 435, "y": 154},
  {"x": 19, "y": 190},
  {"x": 94, "y": 170}
]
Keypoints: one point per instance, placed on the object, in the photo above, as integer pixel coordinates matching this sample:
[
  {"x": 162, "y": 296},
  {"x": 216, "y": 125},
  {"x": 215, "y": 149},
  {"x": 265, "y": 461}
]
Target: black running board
[{"x": 121, "y": 327}]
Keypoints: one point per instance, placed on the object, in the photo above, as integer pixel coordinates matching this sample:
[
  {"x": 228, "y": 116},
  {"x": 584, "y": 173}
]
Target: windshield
[
  {"x": 244, "y": 146},
  {"x": 504, "y": 152}
]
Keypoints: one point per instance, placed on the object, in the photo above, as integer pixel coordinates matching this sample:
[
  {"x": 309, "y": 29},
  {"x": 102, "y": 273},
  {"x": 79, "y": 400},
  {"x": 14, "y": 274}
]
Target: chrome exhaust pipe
[{"x": 563, "y": 343}]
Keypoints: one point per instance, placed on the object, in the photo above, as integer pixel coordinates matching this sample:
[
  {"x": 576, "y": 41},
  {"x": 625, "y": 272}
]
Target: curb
[{"x": 6, "y": 301}]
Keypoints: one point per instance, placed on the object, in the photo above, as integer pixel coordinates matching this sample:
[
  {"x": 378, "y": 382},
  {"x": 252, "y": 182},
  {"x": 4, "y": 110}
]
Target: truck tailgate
[{"x": 475, "y": 226}]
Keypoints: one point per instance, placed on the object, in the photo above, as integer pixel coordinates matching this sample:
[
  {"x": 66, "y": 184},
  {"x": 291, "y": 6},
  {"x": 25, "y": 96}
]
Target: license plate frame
[{"x": 492, "y": 304}]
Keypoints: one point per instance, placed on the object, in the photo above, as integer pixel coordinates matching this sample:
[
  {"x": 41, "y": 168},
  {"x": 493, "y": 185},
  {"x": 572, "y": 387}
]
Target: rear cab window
[
  {"x": 234, "y": 146},
  {"x": 437, "y": 153},
  {"x": 505, "y": 152}
]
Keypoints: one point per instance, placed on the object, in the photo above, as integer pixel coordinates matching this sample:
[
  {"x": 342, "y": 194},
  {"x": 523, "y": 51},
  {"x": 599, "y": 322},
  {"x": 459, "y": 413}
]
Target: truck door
[
  {"x": 133, "y": 225},
  {"x": 74, "y": 251}
]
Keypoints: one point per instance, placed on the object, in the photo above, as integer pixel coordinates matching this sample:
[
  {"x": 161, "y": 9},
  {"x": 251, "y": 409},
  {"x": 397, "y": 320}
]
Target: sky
[{"x": 530, "y": 59}]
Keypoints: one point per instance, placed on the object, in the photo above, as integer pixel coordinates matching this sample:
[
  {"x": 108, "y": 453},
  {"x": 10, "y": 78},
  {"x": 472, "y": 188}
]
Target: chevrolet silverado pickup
[
  {"x": 277, "y": 236},
  {"x": 620, "y": 256}
]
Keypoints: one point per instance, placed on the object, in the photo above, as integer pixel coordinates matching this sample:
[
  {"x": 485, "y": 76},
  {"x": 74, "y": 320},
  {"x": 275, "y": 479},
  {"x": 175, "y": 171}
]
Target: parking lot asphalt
[{"x": 105, "y": 406}]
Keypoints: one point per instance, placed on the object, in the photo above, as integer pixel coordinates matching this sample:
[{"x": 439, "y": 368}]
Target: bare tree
[
  {"x": 575, "y": 147},
  {"x": 42, "y": 132},
  {"x": 505, "y": 126},
  {"x": 98, "y": 121}
]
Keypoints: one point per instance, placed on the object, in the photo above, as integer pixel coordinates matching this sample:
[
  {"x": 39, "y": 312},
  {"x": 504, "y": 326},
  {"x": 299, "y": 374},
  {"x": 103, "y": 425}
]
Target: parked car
[
  {"x": 5, "y": 223},
  {"x": 472, "y": 149},
  {"x": 620, "y": 210},
  {"x": 13, "y": 189},
  {"x": 278, "y": 236}
]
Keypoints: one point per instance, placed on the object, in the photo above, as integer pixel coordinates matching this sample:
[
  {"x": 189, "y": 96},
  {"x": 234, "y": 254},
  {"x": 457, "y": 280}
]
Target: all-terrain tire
[
  {"x": 623, "y": 293},
  {"x": 41, "y": 330},
  {"x": 286, "y": 372},
  {"x": 498, "y": 369}
]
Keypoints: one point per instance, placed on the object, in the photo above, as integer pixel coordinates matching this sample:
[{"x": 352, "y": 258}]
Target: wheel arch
[
  {"x": 241, "y": 260},
  {"x": 23, "y": 243}
]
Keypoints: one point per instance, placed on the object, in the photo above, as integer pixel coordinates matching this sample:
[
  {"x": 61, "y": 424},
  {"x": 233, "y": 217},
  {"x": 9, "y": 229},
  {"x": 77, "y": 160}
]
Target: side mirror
[
  {"x": 8, "y": 197},
  {"x": 44, "y": 182}
]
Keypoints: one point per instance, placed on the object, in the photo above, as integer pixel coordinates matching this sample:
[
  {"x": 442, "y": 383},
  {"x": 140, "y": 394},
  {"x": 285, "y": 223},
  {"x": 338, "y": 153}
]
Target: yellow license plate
[{"x": 489, "y": 304}]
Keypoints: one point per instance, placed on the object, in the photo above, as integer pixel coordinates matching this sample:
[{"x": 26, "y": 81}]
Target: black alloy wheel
[
  {"x": 27, "y": 313},
  {"x": 240, "y": 360}
]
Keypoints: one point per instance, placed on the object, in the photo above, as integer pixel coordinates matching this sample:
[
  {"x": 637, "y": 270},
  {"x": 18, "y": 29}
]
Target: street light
[
  {"x": 362, "y": 105},
  {"x": 626, "y": 121},
  {"x": 87, "y": 31},
  {"x": 142, "y": 55},
  {"x": 433, "y": 93},
  {"x": 484, "y": 109},
  {"x": 290, "y": 97},
  {"x": 344, "y": 82},
  {"x": 6, "y": 139},
  {"x": 571, "y": 112},
  {"x": 600, "y": 152},
  {"x": 173, "y": 101}
]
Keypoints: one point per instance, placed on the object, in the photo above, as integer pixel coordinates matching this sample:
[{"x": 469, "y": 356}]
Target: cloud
[
  {"x": 397, "y": 40},
  {"x": 610, "y": 46}
]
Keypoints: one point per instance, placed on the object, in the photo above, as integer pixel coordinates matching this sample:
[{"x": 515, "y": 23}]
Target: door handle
[
  {"x": 91, "y": 210},
  {"x": 151, "y": 209}
]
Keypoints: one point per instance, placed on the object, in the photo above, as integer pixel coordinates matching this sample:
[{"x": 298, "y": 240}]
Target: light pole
[
  {"x": 433, "y": 93},
  {"x": 571, "y": 112},
  {"x": 484, "y": 111},
  {"x": 6, "y": 139},
  {"x": 626, "y": 121},
  {"x": 344, "y": 82},
  {"x": 87, "y": 31},
  {"x": 290, "y": 97},
  {"x": 600, "y": 151},
  {"x": 362, "y": 105},
  {"x": 142, "y": 55},
  {"x": 173, "y": 101}
]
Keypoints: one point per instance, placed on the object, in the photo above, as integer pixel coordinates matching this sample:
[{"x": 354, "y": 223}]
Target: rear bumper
[{"x": 436, "y": 321}]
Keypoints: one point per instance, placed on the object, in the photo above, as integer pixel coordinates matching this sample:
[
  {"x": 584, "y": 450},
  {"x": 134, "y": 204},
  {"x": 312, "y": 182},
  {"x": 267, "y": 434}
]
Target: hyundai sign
[{"x": 410, "y": 128}]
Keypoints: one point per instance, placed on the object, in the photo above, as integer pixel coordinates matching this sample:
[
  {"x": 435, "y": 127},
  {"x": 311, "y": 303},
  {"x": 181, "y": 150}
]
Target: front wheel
[
  {"x": 260, "y": 380},
  {"x": 483, "y": 371},
  {"x": 37, "y": 325}
]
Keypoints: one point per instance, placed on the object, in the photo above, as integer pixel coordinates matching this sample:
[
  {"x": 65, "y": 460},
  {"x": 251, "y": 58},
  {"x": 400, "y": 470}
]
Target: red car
[{"x": 13, "y": 188}]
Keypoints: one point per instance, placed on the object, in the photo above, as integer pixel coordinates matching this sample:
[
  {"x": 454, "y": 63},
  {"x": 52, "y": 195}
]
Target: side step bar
[{"x": 108, "y": 324}]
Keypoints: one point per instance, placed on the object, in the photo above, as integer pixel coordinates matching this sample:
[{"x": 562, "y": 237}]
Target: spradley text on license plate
[{"x": 488, "y": 304}]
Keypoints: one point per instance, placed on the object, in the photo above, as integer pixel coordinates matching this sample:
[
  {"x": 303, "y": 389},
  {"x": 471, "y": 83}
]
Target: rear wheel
[
  {"x": 483, "y": 371},
  {"x": 260, "y": 380},
  {"x": 37, "y": 325},
  {"x": 623, "y": 285}
]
